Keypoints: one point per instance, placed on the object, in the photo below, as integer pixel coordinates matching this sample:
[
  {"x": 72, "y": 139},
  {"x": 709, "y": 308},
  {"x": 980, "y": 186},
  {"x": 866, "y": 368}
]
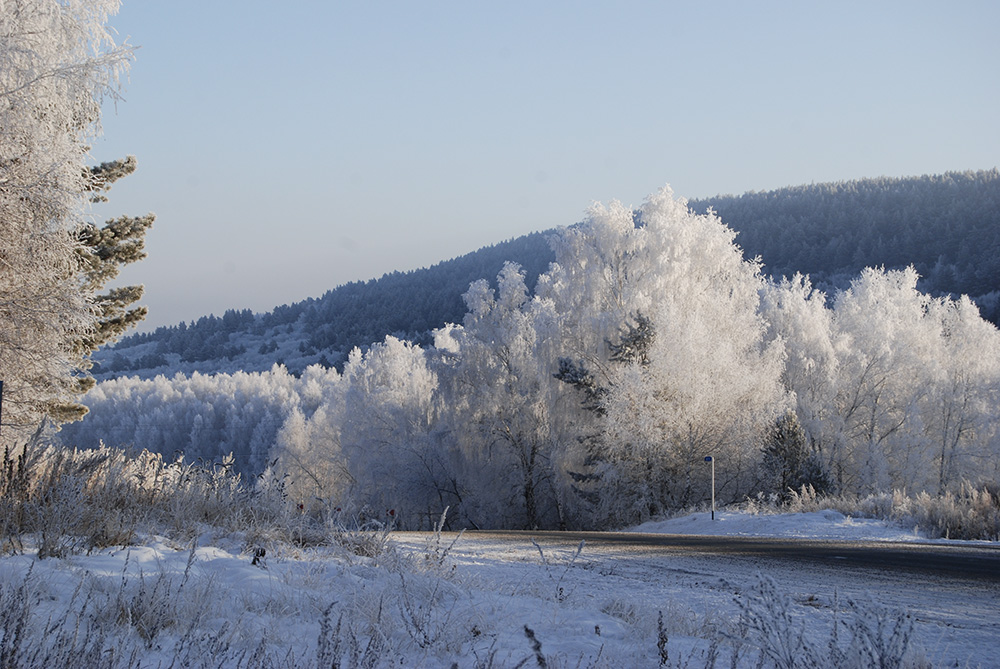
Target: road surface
[{"x": 964, "y": 562}]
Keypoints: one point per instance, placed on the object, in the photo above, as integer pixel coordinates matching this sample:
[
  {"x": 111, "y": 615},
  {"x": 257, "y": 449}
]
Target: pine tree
[
  {"x": 576, "y": 374},
  {"x": 100, "y": 254},
  {"x": 789, "y": 461},
  {"x": 103, "y": 252},
  {"x": 631, "y": 347},
  {"x": 634, "y": 343}
]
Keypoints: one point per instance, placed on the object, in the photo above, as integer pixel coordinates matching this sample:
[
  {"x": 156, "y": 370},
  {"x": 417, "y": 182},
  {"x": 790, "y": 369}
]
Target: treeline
[
  {"x": 322, "y": 330},
  {"x": 592, "y": 400},
  {"x": 946, "y": 226},
  {"x": 411, "y": 305},
  {"x": 203, "y": 417}
]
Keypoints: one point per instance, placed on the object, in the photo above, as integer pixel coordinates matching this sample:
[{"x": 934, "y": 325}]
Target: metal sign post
[{"x": 709, "y": 458}]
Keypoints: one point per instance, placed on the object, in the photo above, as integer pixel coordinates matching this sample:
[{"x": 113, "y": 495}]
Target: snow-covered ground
[{"x": 427, "y": 602}]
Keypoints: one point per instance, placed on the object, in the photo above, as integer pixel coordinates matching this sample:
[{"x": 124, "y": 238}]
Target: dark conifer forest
[{"x": 946, "y": 226}]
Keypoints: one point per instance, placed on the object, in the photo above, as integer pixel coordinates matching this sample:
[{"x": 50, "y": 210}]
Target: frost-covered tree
[
  {"x": 501, "y": 400},
  {"x": 100, "y": 255},
  {"x": 662, "y": 312},
  {"x": 892, "y": 386},
  {"x": 391, "y": 456},
  {"x": 57, "y": 61},
  {"x": 205, "y": 417},
  {"x": 369, "y": 446},
  {"x": 960, "y": 420},
  {"x": 308, "y": 446},
  {"x": 886, "y": 357},
  {"x": 799, "y": 316}
]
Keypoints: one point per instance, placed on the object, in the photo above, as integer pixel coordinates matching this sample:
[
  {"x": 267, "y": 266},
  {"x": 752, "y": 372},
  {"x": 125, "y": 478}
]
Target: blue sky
[{"x": 288, "y": 148}]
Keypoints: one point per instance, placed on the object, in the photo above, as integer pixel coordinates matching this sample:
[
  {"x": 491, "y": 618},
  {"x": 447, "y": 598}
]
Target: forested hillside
[
  {"x": 322, "y": 330},
  {"x": 947, "y": 227}
]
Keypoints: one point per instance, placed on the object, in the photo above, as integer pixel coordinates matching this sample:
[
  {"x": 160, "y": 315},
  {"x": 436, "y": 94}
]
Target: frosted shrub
[
  {"x": 74, "y": 500},
  {"x": 558, "y": 569},
  {"x": 151, "y": 605},
  {"x": 806, "y": 499},
  {"x": 767, "y": 617},
  {"x": 435, "y": 551},
  {"x": 69, "y": 640},
  {"x": 761, "y": 504},
  {"x": 875, "y": 506},
  {"x": 70, "y": 500},
  {"x": 369, "y": 539},
  {"x": 875, "y": 636},
  {"x": 973, "y": 513},
  {"x": 339, "y": 645},
  {"x": 879, "y": 638},
  {"x": 118, "y": 626}
]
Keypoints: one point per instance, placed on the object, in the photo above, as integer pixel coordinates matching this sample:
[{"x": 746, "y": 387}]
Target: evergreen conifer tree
[
  {"x": 789, "y": 461},
  {"x": 100, "y": 254},
  {"x": 103, "y": 252}
]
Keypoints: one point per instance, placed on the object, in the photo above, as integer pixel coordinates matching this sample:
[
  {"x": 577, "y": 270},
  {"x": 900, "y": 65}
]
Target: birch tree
[
  {"x": 960, "y": 418},
  {"x": 389, "y": 450},
  {"x": 894, "y": 388},
  {"x": 503, "y": 392}
]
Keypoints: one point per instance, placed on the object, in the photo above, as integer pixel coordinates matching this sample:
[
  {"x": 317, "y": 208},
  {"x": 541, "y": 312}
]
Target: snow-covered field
[{"x": 437, "y": 600}]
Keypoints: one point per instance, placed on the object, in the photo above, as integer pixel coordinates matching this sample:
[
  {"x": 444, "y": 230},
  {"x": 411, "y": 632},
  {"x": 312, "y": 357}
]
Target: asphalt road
[{"x": 963, "y": 562}]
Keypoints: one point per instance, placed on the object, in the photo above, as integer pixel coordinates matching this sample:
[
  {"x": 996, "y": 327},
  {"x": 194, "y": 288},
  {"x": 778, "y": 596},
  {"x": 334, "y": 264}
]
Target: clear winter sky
[{"x": 290, "y": 147}]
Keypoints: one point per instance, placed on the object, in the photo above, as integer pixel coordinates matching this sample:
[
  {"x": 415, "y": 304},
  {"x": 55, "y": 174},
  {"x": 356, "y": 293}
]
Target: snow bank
[{"x": 826, "y": 524}]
